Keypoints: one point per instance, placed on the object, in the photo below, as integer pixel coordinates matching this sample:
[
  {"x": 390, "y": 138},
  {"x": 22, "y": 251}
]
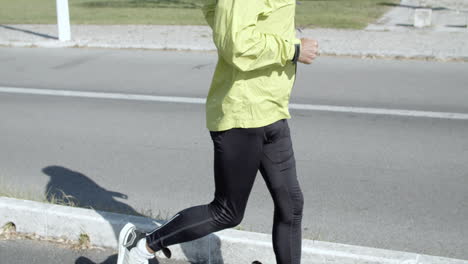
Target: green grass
[
  {"x": 9, "y": 191},
  {"x": 346, "y": 14},
  {"x": 350, "y": 14},
  {"x": 8, "y": 227},
  {"x": 84, "y": 240}
]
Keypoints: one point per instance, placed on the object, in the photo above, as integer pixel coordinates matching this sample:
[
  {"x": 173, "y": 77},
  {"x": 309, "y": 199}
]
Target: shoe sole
[{"x": 123, "y": 237}]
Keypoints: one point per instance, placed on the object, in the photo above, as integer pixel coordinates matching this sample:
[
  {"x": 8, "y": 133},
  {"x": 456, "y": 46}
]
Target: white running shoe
[{"x": 128, "y": 251}]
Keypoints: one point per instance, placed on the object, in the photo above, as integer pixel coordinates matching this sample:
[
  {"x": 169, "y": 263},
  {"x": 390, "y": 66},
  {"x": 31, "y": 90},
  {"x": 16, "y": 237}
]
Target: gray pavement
[
  {"x": 40, "y": 252},
  {"x": 395, "y": 84},
  {"x": 393, "y": 183},
  {"x": 419, "y": 44},
  {"x": 380, "y": 181}
]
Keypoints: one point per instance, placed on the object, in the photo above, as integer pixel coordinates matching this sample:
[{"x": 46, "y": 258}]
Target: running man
[{"x": 246, "y": 115}]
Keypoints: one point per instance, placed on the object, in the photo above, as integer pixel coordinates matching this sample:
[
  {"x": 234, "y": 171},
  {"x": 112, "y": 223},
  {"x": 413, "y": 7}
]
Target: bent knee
[
  {"x": 230, "y": 223},
  {"x": 225, "y": 216}
]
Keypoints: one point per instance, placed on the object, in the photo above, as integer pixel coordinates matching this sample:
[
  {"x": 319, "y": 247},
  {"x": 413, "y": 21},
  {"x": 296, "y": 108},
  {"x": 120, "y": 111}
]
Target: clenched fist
[{"x": 309, "y": 49}]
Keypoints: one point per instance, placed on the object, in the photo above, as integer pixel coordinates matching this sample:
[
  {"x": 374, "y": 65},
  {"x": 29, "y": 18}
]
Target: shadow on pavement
[
  {"x": 142, "y": 4},
  {"x": 412, "y": 6},
  {"x": 73, "y": 187},
  {"x": 110, "y": 260},
  {"x": 404, "y": 25},
  {"x": 456, "y": 26},
  {"x": 29, "y": 32}
]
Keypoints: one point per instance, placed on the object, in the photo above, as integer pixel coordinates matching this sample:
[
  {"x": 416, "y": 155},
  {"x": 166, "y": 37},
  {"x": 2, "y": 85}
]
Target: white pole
[{"x": 63, "y": 20}]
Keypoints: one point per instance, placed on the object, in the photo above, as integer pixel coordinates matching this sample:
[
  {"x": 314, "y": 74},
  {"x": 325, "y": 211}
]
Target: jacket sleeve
[
  {"x": 208, "y": 10},
  {"x": 240, "y": 43}
]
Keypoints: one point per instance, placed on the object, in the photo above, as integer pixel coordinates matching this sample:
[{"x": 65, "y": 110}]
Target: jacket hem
[{"x": 242, "y": 123}]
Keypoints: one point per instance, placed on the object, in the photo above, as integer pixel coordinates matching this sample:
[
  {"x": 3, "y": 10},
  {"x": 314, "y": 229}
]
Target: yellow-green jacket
[{"x": 255, "y": 73}]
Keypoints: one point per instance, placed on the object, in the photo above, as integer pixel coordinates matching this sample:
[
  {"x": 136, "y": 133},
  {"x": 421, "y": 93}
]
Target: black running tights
[{"x": 238, "y": 154}]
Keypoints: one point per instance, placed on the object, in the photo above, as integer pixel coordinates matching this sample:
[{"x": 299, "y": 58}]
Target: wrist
[{"x": 297, "y": 51}]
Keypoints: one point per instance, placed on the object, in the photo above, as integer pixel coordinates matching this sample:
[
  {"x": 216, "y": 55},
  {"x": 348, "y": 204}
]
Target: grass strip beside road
[
  {"x": 346, "y": 14},
  {"x": 59, "y": 197}
]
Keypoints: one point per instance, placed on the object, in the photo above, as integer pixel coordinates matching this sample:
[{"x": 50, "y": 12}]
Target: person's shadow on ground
[
  {"x": 29, "y": 32},
  {"x": 75, "y": 188}
]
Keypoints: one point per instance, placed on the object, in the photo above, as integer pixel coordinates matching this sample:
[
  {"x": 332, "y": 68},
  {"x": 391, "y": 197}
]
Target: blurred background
[{"x": 355, "y": 14}]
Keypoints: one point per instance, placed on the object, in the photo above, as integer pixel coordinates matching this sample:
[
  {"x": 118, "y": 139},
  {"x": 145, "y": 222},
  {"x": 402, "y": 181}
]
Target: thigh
[
  {"x": 278, "y": 165},
  {"x": 237, "y": 154}
]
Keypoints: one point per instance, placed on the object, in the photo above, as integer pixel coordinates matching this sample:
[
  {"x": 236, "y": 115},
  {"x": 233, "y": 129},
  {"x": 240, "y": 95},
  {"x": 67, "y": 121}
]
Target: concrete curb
[{"x": 227, "y": 246}]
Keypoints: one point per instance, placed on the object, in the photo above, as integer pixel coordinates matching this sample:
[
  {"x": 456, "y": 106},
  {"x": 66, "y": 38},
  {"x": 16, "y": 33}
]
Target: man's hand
[{"x": 309, "y": 49}]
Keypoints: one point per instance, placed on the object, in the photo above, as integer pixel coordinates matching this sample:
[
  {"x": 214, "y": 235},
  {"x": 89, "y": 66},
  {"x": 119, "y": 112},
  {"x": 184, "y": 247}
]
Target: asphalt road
[{"x": 391, "y": 182}]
